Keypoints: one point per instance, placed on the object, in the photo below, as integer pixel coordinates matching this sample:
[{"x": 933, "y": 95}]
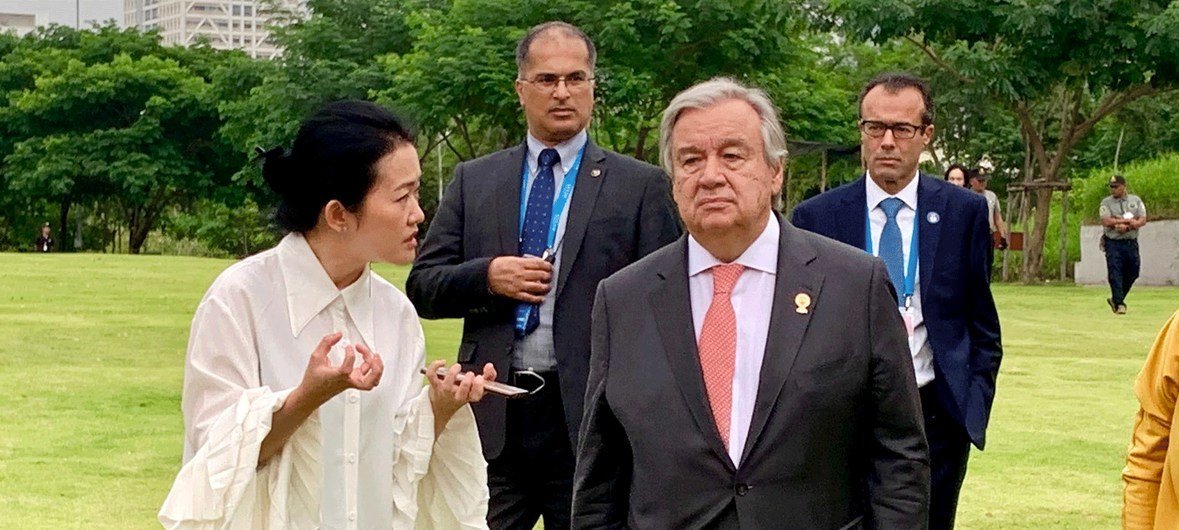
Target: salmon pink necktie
[{"x": 718, "y": 345}]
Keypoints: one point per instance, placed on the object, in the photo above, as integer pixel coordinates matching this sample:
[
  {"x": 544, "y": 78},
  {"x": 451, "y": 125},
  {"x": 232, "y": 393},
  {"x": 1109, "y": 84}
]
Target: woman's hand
[
  {"x": 448, "y": 395},
  {"x": 322, "y": 381}
]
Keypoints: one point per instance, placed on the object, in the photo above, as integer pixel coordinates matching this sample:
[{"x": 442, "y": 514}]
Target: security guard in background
[{"x": 1122, "y": 215}]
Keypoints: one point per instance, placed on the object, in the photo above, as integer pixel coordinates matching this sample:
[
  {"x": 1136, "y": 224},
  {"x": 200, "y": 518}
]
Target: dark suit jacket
[
  {"x": 621, "y": 210},
  {"x": 955, "y": 272},
  {"x": 836, "y": 439}
]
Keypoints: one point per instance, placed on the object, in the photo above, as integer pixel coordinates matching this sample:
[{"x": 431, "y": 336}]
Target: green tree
[
  {"x": 458, "y": 78},
  {"x": 1058, "y": 67},
  {"x": 139, "y": 131}
]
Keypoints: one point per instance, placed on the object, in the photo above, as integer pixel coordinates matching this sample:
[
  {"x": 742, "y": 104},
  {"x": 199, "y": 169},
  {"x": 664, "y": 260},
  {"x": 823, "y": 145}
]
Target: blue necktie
[
  {"x": 535, "y": 239},
  {"x": 891, "y": 244}
]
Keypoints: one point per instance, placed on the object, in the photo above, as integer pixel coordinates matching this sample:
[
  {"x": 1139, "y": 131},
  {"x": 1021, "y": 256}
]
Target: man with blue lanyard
[
  {"x": 520, "y": 241},
  {"x": 935, "y": 240}
]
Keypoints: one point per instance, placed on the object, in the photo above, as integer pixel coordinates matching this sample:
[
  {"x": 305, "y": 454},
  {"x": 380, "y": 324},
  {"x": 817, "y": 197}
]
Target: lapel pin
[
  {"x": 933, "y": 218},
  {"x": 802, "y": 302},
  {"x": 595, "y": 172}
]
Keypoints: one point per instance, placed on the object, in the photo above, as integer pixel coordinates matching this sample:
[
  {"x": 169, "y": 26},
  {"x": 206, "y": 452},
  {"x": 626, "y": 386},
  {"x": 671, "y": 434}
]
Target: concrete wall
[
  {"x": 1158, "y": 245},
  {"x": 19, "y": 24}
]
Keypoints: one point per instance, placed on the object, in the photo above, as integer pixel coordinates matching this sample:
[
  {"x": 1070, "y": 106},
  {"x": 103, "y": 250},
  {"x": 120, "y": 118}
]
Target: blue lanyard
[
  {"x": 911, "y": 272},
  {"x": 562, "y": 198}
]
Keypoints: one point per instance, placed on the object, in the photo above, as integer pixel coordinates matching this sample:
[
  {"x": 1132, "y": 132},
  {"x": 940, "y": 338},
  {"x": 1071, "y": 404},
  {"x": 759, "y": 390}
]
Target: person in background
[
  {"x": 957, "y": 175},
  {"x": 45, "y": 240},
  {"x": 978, "y": 184},
  {"x": 1150, "y": 499},
  {"x": 1122, "y": 214},
  {"x": 933, "y": 237},
  {"x": 303, "y": 404},
  {"x": 520, "y": 242}
]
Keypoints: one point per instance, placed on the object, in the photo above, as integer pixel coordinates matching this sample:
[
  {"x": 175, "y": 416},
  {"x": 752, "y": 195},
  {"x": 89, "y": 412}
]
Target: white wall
[{"x": 1158, "y": 246}]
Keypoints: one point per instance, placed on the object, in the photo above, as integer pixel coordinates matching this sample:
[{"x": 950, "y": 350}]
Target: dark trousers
[
  {"x": 1121, "y": 260},
  {"x": 949, "y": 449},
  {"x": 533, "y": 476}
]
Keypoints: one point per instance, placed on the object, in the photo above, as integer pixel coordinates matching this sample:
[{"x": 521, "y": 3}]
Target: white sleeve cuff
[
  {"x": 443, "y": 483},
  {"x": 222, "y": 485}
]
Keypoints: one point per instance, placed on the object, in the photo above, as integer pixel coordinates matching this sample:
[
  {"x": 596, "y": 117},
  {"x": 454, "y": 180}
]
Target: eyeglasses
[
  {"x": 573, "y": 82},
  {"x": 900, "y": 131}
]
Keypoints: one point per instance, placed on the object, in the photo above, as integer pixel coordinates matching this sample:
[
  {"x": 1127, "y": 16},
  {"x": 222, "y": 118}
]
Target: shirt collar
[
  {"x": 567, "y": 149},
  {"x": 908, "y": 195},
  {"x": 310, "y": 290},
  {"x": 762, "y": 255}
]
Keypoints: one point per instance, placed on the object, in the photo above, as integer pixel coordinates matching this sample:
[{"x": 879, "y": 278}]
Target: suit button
[{"x": 742, "y": 489}]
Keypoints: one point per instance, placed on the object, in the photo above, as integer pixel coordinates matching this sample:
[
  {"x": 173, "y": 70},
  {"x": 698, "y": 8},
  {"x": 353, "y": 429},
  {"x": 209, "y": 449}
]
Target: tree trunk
[
  {"x": 1034, "y": 245},
  {"x": 137, "y": 234},
  {"x": 134, "y": 244},
  {"x": 143, "y": 218},
  {"x": 63, "y": 223},
  {"x": 641, "y": 145}
]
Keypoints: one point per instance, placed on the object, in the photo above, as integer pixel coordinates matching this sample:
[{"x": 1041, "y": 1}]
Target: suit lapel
[
  {"x": 852, "y": 214},
  {"x": 507, "y": 200},
  {"x": 581, "y": 206},
  {"x": 930, "y": 206},
  {"x": 679, "y": 342},
  {"x": 787, "y": 324}
]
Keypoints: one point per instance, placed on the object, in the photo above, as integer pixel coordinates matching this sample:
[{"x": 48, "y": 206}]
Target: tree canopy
[
  {"x": 152, "y": 145},
  {"x": 1056, "y": 68}
]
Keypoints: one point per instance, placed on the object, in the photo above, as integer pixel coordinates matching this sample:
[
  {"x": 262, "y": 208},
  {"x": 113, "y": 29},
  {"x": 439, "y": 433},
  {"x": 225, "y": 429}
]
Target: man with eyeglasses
[
  {"x": 1122, "y": 214},
  {"x": 935, "y": 241},
  {"x": 520, "y": 241}
]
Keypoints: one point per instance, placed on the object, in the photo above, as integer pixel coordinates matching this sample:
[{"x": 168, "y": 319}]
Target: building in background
[
  {"x": 226, "y": 24},
  {"x": 17, "y": 23}
]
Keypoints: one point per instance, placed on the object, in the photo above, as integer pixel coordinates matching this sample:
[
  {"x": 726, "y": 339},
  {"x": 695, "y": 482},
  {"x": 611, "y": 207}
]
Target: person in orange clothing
[{"x": 1150, "y": 498}]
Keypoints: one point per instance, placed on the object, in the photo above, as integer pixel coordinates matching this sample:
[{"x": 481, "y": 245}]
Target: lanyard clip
[{"x": 908, "y": 301}]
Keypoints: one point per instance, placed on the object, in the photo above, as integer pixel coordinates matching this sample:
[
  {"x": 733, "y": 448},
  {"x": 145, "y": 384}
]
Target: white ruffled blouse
[{"x": 364, "y": 459}]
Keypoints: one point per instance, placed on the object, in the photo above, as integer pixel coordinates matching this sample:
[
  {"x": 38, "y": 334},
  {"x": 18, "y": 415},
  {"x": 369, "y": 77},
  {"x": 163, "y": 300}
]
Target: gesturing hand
[
  {"x": 322, "y": 381},
  {"x": 448, "y": 395}
]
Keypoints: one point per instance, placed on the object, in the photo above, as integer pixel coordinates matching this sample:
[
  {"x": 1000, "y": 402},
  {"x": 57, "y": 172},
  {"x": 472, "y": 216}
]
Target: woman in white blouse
[{"x": 303, "y": 404}]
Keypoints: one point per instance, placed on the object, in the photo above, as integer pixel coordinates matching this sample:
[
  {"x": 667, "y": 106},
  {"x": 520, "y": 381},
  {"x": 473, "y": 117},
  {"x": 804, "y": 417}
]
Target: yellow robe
[{"x": 1151, "y": 497}]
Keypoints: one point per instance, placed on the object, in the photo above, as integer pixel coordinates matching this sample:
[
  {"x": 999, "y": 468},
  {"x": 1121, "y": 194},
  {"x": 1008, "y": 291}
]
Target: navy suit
[{"x": 959, "y": 311}]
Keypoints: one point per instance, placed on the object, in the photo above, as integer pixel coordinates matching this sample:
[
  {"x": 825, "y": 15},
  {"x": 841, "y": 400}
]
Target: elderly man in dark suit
[
  {"x": 935, "y": 239},
  {"x": 751, "y": 374},
  {"x": 519, "y": 244}
]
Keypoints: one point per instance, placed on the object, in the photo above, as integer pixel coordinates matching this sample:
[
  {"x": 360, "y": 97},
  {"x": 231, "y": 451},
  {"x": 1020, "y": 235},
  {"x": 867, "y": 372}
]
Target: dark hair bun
[
  {"x": 332, "y": 158},
  {"x": 275, "y": 170}
]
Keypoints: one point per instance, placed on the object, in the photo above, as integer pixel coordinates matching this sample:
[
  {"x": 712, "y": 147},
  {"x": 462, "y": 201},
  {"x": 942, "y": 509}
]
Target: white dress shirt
[
  {"x": 919, "y": 340},
  {"x": 753, "y": 302},
  {"x": 535, "y": 350},
  {"x": 364, "y": 459}
]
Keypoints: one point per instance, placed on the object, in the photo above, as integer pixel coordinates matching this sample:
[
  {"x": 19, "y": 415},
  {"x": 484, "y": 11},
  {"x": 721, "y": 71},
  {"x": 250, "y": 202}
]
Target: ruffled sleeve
[
  {"x": 221, "y": 486},
  {"x": 438, "y": 484},
  {"x": 1149, "y": 495},
  {"x": 227, "y": 415}
]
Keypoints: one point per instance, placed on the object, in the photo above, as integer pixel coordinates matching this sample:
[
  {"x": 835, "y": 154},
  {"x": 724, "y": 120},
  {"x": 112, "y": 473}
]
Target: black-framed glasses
[
  {"x": 900, "y": 131},
  {"x": 573, "y": 82}
]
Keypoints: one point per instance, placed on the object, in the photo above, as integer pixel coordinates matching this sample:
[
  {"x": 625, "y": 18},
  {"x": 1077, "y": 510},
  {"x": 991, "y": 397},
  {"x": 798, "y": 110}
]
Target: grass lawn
[{"x": 92, "y": 354}]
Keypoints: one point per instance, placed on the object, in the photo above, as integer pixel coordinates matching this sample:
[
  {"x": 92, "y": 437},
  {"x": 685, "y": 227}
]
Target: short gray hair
[
  {"x": 564, "y": 28},
  {"x": 716, "y": 90}
]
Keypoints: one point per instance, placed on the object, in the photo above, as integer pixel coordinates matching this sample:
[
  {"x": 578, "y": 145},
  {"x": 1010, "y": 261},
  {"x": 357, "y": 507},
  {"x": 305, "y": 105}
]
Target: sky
[{"x": 62, "y": 11}]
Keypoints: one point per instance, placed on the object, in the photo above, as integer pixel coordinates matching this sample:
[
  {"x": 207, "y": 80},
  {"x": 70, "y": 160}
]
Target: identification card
[{"x": 907, "y": 315}]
